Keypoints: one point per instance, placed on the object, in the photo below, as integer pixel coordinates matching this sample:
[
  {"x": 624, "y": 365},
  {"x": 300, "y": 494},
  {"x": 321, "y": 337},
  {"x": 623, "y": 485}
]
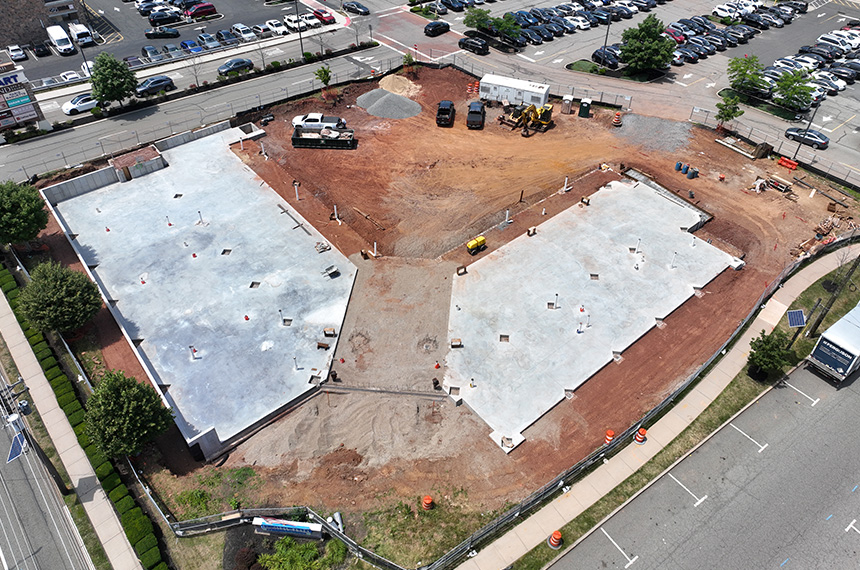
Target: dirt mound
[{"x": 400, "y": 85}]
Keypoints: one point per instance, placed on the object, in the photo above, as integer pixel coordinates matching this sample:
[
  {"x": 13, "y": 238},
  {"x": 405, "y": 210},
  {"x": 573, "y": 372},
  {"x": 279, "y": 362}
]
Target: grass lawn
[{"x": 761, "y": 105}]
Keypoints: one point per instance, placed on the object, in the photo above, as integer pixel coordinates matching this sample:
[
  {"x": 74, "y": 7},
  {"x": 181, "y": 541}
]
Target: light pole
[
  {"x": 808, "y": 124},
  {"x": 300, "y": 23},
  {"x": 608, "y": 25}
]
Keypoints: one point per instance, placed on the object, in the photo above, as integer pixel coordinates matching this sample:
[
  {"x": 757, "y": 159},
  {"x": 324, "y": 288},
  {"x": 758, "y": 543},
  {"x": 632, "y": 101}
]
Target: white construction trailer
[
  {"x": 514, "y": 91},
  {"x": 837, "y": 352}
]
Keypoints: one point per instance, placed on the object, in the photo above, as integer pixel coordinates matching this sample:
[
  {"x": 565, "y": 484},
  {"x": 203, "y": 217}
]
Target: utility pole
[{"x": 833, "y": 297}]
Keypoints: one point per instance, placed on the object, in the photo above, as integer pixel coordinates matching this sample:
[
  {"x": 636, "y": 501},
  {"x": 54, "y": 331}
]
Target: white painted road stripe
[
  {"x": 815, "y": 401},
  {"x": 698, "y": 500},
  {"x": 629, "y": 560},
  {"x": 525, "y": 58},
  {"x": 847, "y": 528},
  {"x": 761, "y": 447}
]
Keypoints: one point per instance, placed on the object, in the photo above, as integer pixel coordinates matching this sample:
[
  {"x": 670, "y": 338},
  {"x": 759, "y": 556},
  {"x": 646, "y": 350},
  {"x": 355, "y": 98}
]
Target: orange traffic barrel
[
  {"x": 610, "y": 435},
  {"x": 554, "y": 540},
  {"x": 640, "y": 436},
  {"x": 427, "y": 502}
]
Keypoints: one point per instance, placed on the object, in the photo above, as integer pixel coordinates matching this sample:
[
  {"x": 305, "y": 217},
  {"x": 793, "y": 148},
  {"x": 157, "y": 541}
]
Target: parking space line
[
  {"x": 849, "y": 527},
  {"x": 624, "y": 554},
  {"x": 842, "y": 124},
  {"x": 760, "y": 446},
  {"x": 698, "y": 500},
  {"x": 815, "y": 401},
  {"x": 525, "y": 58}
]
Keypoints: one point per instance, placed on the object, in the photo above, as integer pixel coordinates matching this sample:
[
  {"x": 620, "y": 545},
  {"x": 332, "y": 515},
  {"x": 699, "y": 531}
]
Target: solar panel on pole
[
  {"x": 18, "y": 446},
  {"x": 796, "y": 319}
]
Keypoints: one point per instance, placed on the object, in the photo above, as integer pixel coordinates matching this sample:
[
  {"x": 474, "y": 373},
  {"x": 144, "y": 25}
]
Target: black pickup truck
[{"x": 445, "y": 114}]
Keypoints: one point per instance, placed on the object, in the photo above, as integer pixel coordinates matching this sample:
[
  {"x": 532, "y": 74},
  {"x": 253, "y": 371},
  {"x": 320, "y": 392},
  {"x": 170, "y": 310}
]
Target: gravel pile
[
  {"x": 387, "y": 105},
  {"x": 654, "y": 133}
]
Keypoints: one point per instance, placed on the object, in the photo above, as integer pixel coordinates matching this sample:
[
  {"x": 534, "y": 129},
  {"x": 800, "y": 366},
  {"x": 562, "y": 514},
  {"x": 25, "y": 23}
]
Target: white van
[
  {"x": 81, "y": 35},
  {"x": 832, "y": 40},
  {"x": 58, "y": 38}
]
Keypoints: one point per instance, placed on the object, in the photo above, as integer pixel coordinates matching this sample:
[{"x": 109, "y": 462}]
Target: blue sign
[
  {"x": 18, "y": 446},
  {"x": 832, "y": 356}
]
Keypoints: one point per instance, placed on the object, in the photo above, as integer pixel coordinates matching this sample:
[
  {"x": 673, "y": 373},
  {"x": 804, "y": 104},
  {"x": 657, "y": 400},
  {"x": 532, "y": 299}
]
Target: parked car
[
  {"x": 238, "y": 65},
  {"x": 840, "y": 83},
  {"x": 310, "y": 20},
  {"x": 719, "y": 42},
  {"x": 826, "y": 54},
  {"x": 356, "y": 8},
  {"x": 811, "y": 137},
  {"x": 843, "y": 73},
  {"x": 692, "y": 25},
  {"x": 454, "y": 5},
  {"x": 724, "y": 11},
  {"x": 436, "y": 8},
  {"x": 80, "y": 104},
  {"x": 697, "y": 49},
  {"x": 160, "y": 32},
  {"x": 704, "y": 44},
  {"x": 295, "y": 23},
  {"x": 436, "y": 28},
  {"x": 161, "y": 18},
  {"x": 604, "y": 57},
  {"x": 277, "y": 27},
  {"x": 324, "y": 16},
  {"x": 262, "y": 31},
  {"x": 756, "y": 21},
  {"x": 226, "y": 38},
  {"x": 516, "y": 40},
  {"x": 190, "y": 46},
  {"x": 531, "y": 36},
  {"x": 556, "y": 30},
  {"x": 771, "y": 20},
  {"x": 151, "y": 53},
  {"x": 476, "y": 115},
  {"x": 243, "y": 32},
  {"x": 445, "y": 114},
  {"x": 16, "y": 53},
  {"x": 132, "y": 61},
  {"x": 704, "y": 23},
  {"x": 731, "y": 41},
  {"x": 208, "y": 41},
  {"x": 798, "y": 6},
  {"x": 689, "y": 55},
  {"x": 564, "y": 24},
  {"x": 200, "y": 10},
  {"x": 580, "y": 22},
  {"x": 474, "y": 45},
  {"x": 39, "y": 49},
  {"x": 675, "y": 35},
  {"x": 153, "y": 85},
  {"x": 69, "y": 76}
]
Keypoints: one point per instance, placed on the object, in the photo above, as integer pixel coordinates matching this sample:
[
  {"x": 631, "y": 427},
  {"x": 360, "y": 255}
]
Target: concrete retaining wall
[
  {"x": 145, "y": 167},
  {"x": 80, "y": 185},
  {"x": 188, "y": 136}
]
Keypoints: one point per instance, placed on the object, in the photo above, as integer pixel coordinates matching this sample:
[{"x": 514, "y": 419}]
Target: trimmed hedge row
[{"x": 138, "y": 528}]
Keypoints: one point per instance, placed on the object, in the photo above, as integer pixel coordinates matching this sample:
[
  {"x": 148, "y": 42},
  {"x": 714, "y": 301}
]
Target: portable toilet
[
  {"x": 585, "y": 108},
  {"x": 566, "y": 104}
]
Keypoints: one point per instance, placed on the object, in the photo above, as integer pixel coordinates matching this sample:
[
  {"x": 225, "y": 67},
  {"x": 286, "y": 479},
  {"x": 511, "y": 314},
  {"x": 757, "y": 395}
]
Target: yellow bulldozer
[{"x": 529, "y": 117}]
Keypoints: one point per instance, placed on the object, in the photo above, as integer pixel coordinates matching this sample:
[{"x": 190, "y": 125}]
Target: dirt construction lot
[{"x": 419, "y": 192}]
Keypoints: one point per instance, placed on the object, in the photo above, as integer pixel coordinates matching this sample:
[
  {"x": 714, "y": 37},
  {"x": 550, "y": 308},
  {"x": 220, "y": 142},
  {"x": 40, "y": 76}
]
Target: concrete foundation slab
[
  {"x": 542, "y": 314},
  {"x": 216, "y": 282}
]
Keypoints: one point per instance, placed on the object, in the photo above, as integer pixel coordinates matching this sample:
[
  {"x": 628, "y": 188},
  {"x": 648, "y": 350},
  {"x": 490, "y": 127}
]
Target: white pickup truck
[{"x": 318, "y": 121}]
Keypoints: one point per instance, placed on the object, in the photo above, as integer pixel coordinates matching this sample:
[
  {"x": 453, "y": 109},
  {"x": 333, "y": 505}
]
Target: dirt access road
[{"x": 419, "y": 192}]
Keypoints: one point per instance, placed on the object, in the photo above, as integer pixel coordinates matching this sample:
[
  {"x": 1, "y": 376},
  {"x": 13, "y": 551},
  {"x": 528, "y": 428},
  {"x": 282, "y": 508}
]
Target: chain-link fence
[{"x": 810, "y": 159}]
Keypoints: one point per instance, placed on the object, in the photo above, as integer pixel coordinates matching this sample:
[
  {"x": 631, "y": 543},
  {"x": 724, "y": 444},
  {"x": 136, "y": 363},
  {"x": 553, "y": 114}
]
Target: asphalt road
[{"x": 776, "y": 488}]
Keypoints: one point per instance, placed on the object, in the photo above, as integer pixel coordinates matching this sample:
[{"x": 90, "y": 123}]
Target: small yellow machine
[{"x": 473, "y": 246}]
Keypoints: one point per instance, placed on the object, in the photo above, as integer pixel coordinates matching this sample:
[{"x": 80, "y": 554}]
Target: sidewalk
[
  {"x": 505, "y": 550},
  {"x": 95, "y": 501}
]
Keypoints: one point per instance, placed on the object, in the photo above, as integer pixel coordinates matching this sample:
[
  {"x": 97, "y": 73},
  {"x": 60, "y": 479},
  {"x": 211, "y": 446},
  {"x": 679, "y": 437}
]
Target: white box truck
[
  {"x": 58, "y": 38},
  {"x": 837, "y": 352},
  {"x": 81, "y": 35},
  {"x": 514, "y": 91}
]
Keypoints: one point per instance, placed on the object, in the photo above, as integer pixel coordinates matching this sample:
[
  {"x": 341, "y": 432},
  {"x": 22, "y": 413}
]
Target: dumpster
[
  {"x": 585, "y": 108},
  {"x": 566, "y": 104}
]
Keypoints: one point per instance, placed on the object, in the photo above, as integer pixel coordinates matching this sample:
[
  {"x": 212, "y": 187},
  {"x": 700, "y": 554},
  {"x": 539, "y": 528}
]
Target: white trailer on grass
[
  {"x": 514, "y": 91},
  {"x": 837, "y": 352}
]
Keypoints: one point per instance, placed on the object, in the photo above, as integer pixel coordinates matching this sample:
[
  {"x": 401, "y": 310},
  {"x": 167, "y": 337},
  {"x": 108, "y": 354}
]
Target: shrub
[
  {"x": 103, "y": 470},
  {"x": 111, "y": 482},
  {"x": 145, "y": 543},
  {"x": 13, "y": 295},
  {"x": 79, "y": 431},
  {"x": 125, "y": 504},
  {"x": 49, "y": 362},
  {"x": 118, "y": 493},
  {"x": 5, "y": 272},
  {"x": 13, "y": 303},
  {"x": 64, "y": 388},
  {"x": 54, "y": 372},
  {"x": 66, "y": 399},
  {"x": 72, "y": 407},
  {"x": 44, "y": 354},
  {"x": 7, "y": 278},
  {"x": 150, "y": 558},
  {"x": 77, "y": 418},
  {"x": 136, "y": 525},
  {"x": 40, "y": 347},
  {"x": 276, "y": 64},
  {"x": 8, "y": 286},
  {"x": 84, "y": 440},
  {"x": 58, "y": 381},
  {"x": 95, "y": 455},
  {"x": 162, "y": 566}
]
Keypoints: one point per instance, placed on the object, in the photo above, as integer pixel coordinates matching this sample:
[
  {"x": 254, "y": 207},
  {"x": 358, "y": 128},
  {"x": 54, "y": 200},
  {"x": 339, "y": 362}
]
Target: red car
[
  {"x": 324, "y": 16},
  {"x": 675, "y": 35}
]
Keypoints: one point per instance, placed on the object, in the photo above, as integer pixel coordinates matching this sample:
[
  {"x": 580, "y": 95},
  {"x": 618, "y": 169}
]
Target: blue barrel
[
  {"x": 695, "y": 173},
  {"x": 685, "y": 168},
  {"x": 678, "y": 165},
  {"x": 692, "y": 173}
]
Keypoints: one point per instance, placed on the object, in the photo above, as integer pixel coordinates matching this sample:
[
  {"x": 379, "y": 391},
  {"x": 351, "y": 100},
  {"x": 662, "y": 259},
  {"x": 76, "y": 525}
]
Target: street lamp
[
  {"x": 606, "y": 39},
  {"x": 300, "y": 22},
  {"x": 808, "y": 124}
]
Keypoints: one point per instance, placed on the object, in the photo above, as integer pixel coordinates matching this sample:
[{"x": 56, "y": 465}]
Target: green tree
[
  {"x": 323, "y": 74},
  {"x": 112, "y": 80},
  {"x": 768, "y": 353},
  {"x": 744, "y": 72},
  {"x": 507, "y": 25},
  {"x": 792, "y": 90},
  {"x": 124, "y": 414},
  {"x": 59, "y": 298},
  {"x": 22, "y": 212},
  {"x": 728, "y": 110},
  {"x": 645, "y": 47},
  {"x": 476, "y": 18}
]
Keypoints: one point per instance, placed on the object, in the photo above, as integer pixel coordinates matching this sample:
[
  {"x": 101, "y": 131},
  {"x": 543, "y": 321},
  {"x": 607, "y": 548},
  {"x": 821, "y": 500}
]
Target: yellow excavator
[{"x": 530, "y": 118}]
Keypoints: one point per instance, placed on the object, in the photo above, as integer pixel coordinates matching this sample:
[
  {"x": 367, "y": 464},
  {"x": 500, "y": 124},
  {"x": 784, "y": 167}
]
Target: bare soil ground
[{"x": 420, "y": 191}]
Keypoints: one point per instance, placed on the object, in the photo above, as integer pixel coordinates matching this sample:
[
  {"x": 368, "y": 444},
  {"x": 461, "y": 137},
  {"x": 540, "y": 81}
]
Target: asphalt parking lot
[{"x": 770, "y": 490}]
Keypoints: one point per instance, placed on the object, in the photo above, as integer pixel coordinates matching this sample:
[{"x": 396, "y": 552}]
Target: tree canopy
[
  {"x": 22, "y": 212},
  {"x": 111, "y": 80},
  {"x": 481, "y": 19},
  {"x": 768, "y": 353},
  {"x": 728, "y": 110},
  {"x": 645, "y": 47},
  {"x": 124, "y": 414},
  {"x": 59, "y": 298},
  {"x": 477, "y": 18},
  {"x": 792, "y": 90},
  {"x": 323, "y": 74},
  {"x": 744, "y": 72}
]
